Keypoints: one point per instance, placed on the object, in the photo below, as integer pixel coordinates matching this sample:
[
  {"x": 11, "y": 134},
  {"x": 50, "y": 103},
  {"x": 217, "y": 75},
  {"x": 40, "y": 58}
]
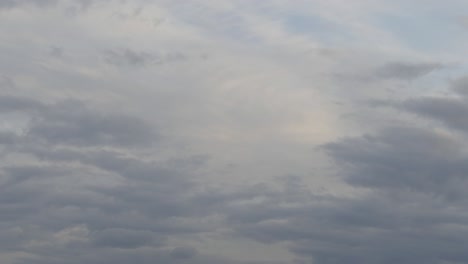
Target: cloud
[
  {"x": 460, "y": 85},
  {"x": 410, "y": 176},
  {"x": 128, "y": 57},
  {"x": 71, "y": 122},
  {"x": 79, "y": 126},
  {"x": 67, "y": 177},
  {"x": 121, "y": 238},
  {"x": 56, "y": 52},
  {"x": 401, "y": 158},
  {"x": 16, "y": 3},
  {"x": 450, "y": 111},
  {"x": 124, "y": 145},
  {"x": 415, "y": 182},
  {"x": 14, "y": 103},
  {"x": 183, "y": 252},
  {"x": 410, "y": 182},
  {"x": 7, "y": 82},
  {"x": 405, "y": 71}
]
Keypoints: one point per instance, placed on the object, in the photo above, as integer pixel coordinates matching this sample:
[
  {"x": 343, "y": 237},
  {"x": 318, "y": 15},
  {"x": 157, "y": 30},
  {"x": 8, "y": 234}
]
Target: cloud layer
[{"x": 313, "y": 132}]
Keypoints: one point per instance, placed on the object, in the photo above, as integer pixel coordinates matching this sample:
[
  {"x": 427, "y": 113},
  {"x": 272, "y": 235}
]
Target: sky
[{"x": 233, "y": 132}]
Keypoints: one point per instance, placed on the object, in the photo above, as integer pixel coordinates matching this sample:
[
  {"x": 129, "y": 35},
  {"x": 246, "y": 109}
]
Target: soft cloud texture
[{"x": 237, "y": 132}]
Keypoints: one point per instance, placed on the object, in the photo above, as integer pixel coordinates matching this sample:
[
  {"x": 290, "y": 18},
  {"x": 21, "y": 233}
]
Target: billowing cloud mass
[{"x": 233, "y": 132}]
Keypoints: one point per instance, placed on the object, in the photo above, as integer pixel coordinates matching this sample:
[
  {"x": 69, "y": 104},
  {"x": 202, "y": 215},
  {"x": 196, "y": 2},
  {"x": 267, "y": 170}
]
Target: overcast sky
[{"x": 233, "y": 132}]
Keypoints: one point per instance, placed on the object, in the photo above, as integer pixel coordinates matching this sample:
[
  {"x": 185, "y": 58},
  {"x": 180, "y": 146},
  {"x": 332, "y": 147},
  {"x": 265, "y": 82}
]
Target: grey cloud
[
  {"x": 7, "y": 82},
  {"x": 183, "y": 252},
  {"x": 379, "y": 228},
  {"x": 403, "y": 158},
  {"x": 73, "y": 7},
  {"x": 85, "y": 183},
  {"x": 128, "y": 57},
  {"x": 122, "y": 222},
  {"x": 140, "y": 256},
  {"x": 412, "y": 211},
  {"x": 77, "y": 7},
  {"x": 80, "y": 165},
  {"x": 126, "y": 202},
  {"x": 405, "y": 71},
  {"x": 9, "y": 103},
  {"x": 56, "y": 52},
  {"x": 86, "y": 128},
  {"x": 122, "y": 238},
  {"x": 7, "y": 138},
  {"x": 15, "y": 3},
  {"x": 416, "y": 206},
  {"x": 71, "y": 122},
  {"x": 460, "y": 85},
  {"x": 451, "y": 112},
  {"x": 463, "y": 21}
]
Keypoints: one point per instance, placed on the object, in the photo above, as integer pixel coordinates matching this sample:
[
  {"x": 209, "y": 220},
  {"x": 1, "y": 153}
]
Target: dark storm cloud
[{"x": 405, "y": 71}]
